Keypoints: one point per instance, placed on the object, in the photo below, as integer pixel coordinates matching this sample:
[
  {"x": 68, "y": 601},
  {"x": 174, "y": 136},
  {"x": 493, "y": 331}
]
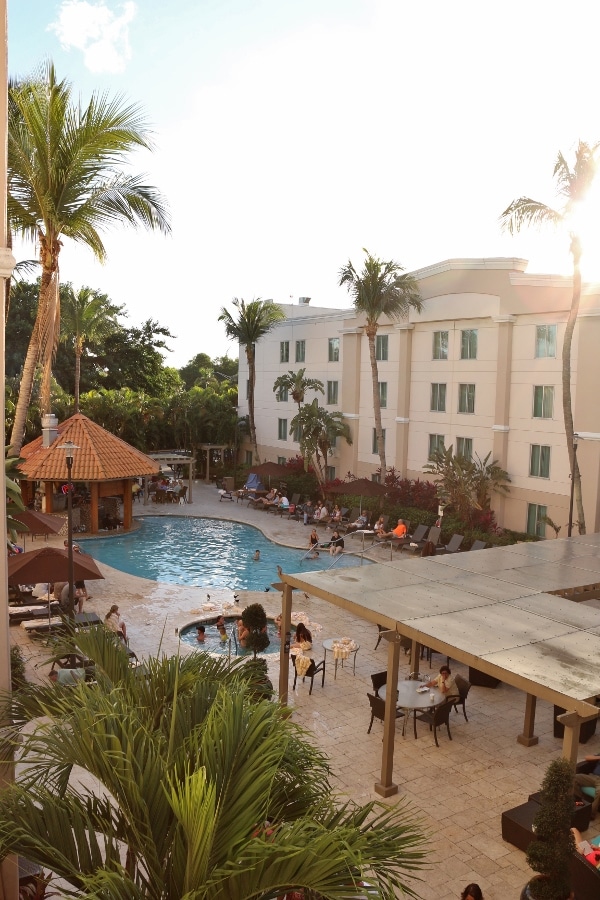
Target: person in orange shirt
[{"x": 398, "y": 532}]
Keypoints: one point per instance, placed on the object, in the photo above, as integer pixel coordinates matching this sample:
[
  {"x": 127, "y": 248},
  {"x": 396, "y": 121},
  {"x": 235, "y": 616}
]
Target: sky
[{"x": 290, "y": 134}]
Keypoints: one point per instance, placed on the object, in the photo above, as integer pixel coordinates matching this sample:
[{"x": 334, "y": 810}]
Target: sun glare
[{"x": 584, "y": 220}]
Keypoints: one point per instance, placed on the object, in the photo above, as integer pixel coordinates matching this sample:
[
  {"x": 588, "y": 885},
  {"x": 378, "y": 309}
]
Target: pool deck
[{"x": 460, "y": 789}]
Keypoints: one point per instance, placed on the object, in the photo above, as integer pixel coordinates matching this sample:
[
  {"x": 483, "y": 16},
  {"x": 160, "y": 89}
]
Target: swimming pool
[{"x": 206, "y": 552}]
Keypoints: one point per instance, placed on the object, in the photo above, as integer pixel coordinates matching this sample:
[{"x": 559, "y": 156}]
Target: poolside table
[
  {"x": 341, "y": 651},
  {"x": 411, "y": 697}
]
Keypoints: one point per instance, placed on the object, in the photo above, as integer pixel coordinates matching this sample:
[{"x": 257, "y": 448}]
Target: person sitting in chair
[
  {"x": 115, "y": 623},
  {"x": 398, "y": 532},
  {"x": 336, "y": 544},
  {"x": 445, "y": 683},
  {"x": 361, "y": 522}
]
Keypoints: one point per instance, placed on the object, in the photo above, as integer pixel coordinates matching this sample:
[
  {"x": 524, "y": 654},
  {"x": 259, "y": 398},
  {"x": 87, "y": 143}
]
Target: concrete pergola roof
[{"x": 489, "y": 609}]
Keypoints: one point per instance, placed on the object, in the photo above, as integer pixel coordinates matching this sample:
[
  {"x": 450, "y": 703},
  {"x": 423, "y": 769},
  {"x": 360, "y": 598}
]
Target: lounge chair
[
  {"x": 433, "y": 536},
  {"x": 479, "y": 545},
  {"x": 400, "y": 543},
  {"x": 454, "y": 544}
]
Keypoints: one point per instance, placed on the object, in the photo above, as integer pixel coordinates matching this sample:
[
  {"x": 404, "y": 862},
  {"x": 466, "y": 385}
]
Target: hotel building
[{"x": 478, "y": 368}]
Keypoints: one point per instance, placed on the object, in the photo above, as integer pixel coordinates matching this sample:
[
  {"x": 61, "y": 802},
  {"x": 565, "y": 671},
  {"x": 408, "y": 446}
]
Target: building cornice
[
  {"x": 589, "y": 435},
  {"x": 403, "y": 326},
  {"x": 510, "y": 264},
  {"x": 589, "y": 313},
  {"x": 546, "y": 281},
  {"x": 501, "y": 319},
  {"x": 351, "y": 415},
  {"x": 502, "y": 428},
  {"x": 402, "y": 420}
]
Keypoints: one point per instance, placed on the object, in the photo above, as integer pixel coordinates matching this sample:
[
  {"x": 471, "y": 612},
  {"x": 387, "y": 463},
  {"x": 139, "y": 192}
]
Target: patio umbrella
[
  {"x": 39, "y": 522},
  {"x": 50, "y": 564},
  {"x": 360, "y": 487},
  {"x": 270, "y": 470}
]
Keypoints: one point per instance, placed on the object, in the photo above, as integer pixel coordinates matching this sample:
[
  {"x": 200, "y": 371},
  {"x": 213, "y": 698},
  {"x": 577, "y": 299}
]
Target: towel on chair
[{"x": 302, "y": 665}]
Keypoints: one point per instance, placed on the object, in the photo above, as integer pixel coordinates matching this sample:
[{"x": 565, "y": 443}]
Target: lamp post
[
  {"x": 69, "y": 447},
  {"x": 570, "y": 525}
]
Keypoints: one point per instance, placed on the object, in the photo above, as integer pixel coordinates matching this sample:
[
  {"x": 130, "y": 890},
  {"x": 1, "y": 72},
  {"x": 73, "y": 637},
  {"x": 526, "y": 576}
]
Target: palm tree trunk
[
  {"x": 566, "y": 381},
  {"x": 29, "y": 367},
  {"x": 251, "y": 383},
  {"x": 371, "y": 332},
  {"x": 77, "y": 377}
]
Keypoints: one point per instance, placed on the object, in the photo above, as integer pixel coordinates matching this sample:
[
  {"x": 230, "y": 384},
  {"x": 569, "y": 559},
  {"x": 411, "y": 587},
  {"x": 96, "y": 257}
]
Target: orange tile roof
[{"x": 101, "y": 456}]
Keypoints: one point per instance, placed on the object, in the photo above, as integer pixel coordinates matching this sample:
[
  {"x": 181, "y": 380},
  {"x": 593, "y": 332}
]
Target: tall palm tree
[
  {"x": 319, "y": 430},
  {"x": 254, "y": 320},
  {"x": 297, "y": 385},
  {"x": 380, "y": 290},
  {"x": 86, "y": 317},
  {"x": 573, "y": 185},
  {"x": 65, "y": 180},
  {"x": 197, "y": 786}
]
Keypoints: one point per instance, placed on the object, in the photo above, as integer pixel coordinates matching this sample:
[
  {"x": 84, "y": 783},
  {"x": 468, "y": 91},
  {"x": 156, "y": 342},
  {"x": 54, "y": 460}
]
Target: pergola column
[
  {"x": 385, "y": 787},
  {"x": 528, "y": 739},
  {"x": 284, "y": 653}
]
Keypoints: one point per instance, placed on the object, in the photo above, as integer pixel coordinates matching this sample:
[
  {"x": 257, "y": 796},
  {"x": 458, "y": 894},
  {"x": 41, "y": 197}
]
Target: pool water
[
  {"x": 213, "y": 643},
  {"x": 205, "y": 552}
]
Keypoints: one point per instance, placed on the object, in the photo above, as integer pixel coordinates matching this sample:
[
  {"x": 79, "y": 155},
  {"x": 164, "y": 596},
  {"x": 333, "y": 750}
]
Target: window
[
  {"x": 468, "y": 343},
  {"x": 330, "y": 473},
  {"x": 332, "y": 393},
  {"x": 545, "y": 340},
  {"x": 539, "y": 461},
  {"x": 282, "y": 395},
  {"x": 543, "y": 401},
  {"x": 281, "y": 460},
  {"x": 381, "y": 347},
  {"x": 535, "y": 519},
  {"x": 284, "y": 351},
  {"x": 438, "y": 398},
  {"x": 334, "y": 350},
  {"x": 466, "y": 398},
  {"x": 297, "y": 434},
  {"x": 248, "y": 457},
  {"x": 440, "y": 345},
  {"x": 282, "y": 429},
  {"x": 464, "y": 447},
  {"x": 383, "y": 394},
  {"x": 375, "y": 444},
  {"x": 300, "y": 351},
  {"x": 436, "y": 442},
  {"x": 376, "y": 477}
]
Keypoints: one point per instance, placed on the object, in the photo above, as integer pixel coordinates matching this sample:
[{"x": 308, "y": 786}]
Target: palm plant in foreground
[
  {"x": 573, "y": 187},
  {"x": 380, "y": 290},
  {"x": 206, "y": 790},
  {"x": 253, "y": 322},
  {"x": 66, "y": 180}
]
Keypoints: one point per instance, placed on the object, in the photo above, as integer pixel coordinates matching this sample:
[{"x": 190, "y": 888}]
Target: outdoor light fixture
[
  {"x": 69, "y": 449},
  {"x": 570, "y": 525}
]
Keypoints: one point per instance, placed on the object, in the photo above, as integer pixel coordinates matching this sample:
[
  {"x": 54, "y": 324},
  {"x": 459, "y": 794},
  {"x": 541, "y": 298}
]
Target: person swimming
[{"x": 256, "y": 556}]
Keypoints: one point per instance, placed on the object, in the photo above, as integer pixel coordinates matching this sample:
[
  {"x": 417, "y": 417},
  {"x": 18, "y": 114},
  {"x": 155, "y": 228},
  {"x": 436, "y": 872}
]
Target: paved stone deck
[{"x": 460, "y": 789}]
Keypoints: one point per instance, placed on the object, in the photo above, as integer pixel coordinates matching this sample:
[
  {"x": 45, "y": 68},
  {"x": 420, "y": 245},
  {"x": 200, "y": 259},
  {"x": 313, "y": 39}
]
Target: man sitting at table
[{"x": 445, "y": 683}]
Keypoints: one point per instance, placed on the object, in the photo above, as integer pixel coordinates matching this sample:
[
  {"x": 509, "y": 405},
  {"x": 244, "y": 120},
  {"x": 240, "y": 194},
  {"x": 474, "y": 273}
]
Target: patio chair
[
  {"x": 293, "y": 509},
  {"x": 378, "y": 710},
  {"x": 433, "y": 536},
  {"x": 352, "y": 517},
  {"x": 453, "y": 546},
  {"x": 479, "y": 545},
  {"x": 416, "y": 538},
  {"x": 464, "y": 687},
  {"x": 380, "y": 630},
  {"x": 434, "y": 718},
  {"x": 312, "y": 670},
  {"x": 378, "y": 679}
]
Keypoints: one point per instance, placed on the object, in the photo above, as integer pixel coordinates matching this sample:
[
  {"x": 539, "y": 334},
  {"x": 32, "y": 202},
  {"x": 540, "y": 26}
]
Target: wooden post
[
  {"x": 528, "y": 739},
  {"x": 385, "y": 787},
  {"x": 94, "y": 507},
  {"x": 284, "y": 653},
  {"x": 127, "y": 504}
]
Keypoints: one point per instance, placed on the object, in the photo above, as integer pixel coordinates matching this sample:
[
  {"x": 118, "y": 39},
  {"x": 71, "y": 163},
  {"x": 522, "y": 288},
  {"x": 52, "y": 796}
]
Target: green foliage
[
  {"x": 466, "y": 484},
  {"x": 550, "y": 852},
  {"x": 14, "y": 500},
  {"x": 254, "y": 618},
  {"x": 183, "y": 767},
  {"x": 319, "y": 429},
  {"x": 17, "y": 667},
  {"x": 297, "y": 385}
]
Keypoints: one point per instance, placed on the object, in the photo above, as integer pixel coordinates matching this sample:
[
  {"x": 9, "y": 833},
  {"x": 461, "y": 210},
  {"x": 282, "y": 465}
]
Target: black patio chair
[
  {"x": 312, "y": 670},
  {"x": 378, "y": 710},
  {"x": 434, "y": 718},
  {"x": 378, "y": 679},
  {"x": 464, "y": 687},
  {"x": 479, "y": 545},
  {"x": 416, "y": 538},
  {"x": 453, "y": 546}
]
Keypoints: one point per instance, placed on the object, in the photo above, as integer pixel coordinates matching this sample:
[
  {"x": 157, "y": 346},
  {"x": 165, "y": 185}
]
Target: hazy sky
[{"x": 292, "y": 133}]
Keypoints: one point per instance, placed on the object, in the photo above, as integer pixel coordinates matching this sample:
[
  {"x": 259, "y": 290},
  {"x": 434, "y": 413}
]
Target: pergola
[
  {"x": 489, "y": 609},
  {"x": 172, "y": 458}
]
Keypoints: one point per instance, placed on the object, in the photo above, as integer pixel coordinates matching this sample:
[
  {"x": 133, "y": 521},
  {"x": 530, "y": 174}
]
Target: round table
[
  {"x": 410, "y": 699},
  {"x": 328, "y": 645}
]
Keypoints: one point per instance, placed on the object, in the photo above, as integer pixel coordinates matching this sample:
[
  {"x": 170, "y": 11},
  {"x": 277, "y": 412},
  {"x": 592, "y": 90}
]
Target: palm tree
[
  {"x": 573, "y": 186},
  {"x": 87, "y": 316},
  {"x": 253, "y": 322},
  {"x": 298, "y": 385},
  {"x": 380, "y": 290},
  {"x": 65, "y": 181},
  {"x": 196, "y": 786},
  {"x": 319, "y": 431}
]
